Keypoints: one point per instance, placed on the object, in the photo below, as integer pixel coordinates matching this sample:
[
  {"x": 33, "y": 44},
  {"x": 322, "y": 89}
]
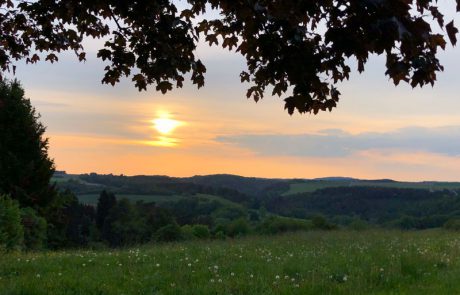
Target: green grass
[
  {"x": 310, "y": 186},
  {"x": 91, "y": 199},
  {"x": 221, "y": 200},
  {"x": 337, "y": 262}
]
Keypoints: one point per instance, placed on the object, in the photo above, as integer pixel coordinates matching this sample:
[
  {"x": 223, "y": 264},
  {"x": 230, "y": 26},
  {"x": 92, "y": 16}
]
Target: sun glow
[{"x": 165, "y": 125}]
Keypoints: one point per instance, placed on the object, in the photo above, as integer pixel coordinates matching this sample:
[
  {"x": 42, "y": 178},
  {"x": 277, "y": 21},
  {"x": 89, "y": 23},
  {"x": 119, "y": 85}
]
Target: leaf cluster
[{"x": 296, "y": 49}]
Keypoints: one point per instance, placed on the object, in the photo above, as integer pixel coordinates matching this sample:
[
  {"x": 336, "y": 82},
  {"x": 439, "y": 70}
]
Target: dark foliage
[
  {"x": 296, "y": 49},
  {"x": 105, "y": 202},
  {"x": 11, "y": 229},
  {"x": 123, "y": 225},
  {"x": 378, "y": 205},
  {"x": 25, "y": 167},
  {"x": 34, "y": 229}
]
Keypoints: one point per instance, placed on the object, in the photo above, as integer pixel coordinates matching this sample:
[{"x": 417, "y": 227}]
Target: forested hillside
[{"x": 216, "y": 199}]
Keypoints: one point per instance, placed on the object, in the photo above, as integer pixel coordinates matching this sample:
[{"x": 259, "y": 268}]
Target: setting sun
[{"x": 165, "y": 125}]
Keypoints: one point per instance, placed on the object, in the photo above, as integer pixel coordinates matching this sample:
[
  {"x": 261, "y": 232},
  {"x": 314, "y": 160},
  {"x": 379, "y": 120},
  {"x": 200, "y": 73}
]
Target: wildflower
[
  {"x": 38, "y": 275},
  {"x": 277, "y": 277},
  {"x": 158, "y": 265},
  {"x": 232, "y": 274}
]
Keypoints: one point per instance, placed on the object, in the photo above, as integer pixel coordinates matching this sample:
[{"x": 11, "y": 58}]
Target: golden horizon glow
[{"x": 163, "y": 141}]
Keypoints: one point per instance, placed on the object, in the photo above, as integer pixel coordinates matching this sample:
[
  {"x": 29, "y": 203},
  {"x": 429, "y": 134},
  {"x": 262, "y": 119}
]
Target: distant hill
[
  {"x": 383, "y": 202},
  {"x": 226, "y": 183},
  {"x": 246, "y": 185}
]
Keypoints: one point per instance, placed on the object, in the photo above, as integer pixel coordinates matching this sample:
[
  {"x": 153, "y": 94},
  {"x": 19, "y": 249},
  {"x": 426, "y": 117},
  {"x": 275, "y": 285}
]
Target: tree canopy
[
  {"x": 296, "y": 49},
  {"x": 25, "y": 166}
]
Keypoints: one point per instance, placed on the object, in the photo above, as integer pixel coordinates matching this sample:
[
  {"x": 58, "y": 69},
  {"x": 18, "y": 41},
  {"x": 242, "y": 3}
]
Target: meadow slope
[{"x": 336, "y": 262}]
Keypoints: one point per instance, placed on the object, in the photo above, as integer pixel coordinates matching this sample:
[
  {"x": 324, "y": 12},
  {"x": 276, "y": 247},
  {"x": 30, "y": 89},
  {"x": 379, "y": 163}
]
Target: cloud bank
[{"x": 339, "y": 143}]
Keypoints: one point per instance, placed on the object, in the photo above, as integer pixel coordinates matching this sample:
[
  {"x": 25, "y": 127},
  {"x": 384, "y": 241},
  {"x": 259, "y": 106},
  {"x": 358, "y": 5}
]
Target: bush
[
  {"x": 187, "y": 232},
  {"x": 220, "y": 235},
  {"x": 34, "y": 229},
  {"x": 275, "y": 224},
  {"x": 320, "y": 222},
  {"x": 452, "y": 224},
  {"x": 168, "y": 233},
  {"x": 11, "y": 229},
  {"x": 358, "y": 224},
  {"x": 201, "y": 231},
  {"x": 238, "y": 227}
]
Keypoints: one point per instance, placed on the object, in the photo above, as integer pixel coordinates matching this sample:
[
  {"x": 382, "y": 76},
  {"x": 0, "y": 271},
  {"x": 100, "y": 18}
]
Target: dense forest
[{"x": 118, "y": 210}]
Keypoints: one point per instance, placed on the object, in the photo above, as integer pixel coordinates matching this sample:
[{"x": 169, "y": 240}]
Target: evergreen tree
[
  {"x": 123, "y": 225},
  {"x": 106, "y": 202},
  {"x": 25, "y": 167}
]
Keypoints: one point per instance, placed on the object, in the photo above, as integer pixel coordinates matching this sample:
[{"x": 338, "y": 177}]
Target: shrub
[
  {"x": 187, "y": 232},
  {"x": 168, "y": 233},
  {"x": 275, "y": 224},
  {"x": 201, "y": 231},
  {"x": 11, "y": 229},
  {"x": 34, "y": 229},
  {"x": 238, "y": 227},
  {"x": 358, "y": 224},
  {"x": 452, "y": 224},
  {"x": 320, "y": 222},
  {"x": 220, "y": 235}
]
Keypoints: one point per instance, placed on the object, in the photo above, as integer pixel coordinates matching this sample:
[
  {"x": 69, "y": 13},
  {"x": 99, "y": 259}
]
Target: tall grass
[{"x": 337, "y": 262}]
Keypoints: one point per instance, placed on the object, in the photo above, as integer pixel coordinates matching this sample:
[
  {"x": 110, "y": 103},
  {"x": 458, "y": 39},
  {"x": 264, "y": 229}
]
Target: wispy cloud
[{"x": 339, "y": 143}]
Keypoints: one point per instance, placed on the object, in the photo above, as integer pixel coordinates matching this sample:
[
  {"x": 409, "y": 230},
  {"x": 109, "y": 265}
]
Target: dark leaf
[{"x": 452, "y": 32}]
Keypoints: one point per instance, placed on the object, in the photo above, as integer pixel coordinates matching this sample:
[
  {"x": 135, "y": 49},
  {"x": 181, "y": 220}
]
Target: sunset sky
[{"x": 377, "y": 131}]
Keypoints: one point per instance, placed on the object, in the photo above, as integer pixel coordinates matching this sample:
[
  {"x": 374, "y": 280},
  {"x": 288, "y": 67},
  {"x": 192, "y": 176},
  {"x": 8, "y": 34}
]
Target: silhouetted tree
[
  {"x": 298, "y": 49},
  {"x": 25, "y": 167},
  {"x": 123, "y": 225},
  {"x": 105, "y": 202},
  {"x": 80, "y": 223}
]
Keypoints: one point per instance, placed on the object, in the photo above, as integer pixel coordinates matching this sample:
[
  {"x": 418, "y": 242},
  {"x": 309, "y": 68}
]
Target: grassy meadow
[
  {"x": 91, "y": 199},
  {"x": 335, "y": 262}
]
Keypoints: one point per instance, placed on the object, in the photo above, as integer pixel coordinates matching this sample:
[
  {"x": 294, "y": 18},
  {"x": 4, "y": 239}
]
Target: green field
[
  {"x": 91, "y": 199},
  {"x": 337, "y": 262},
  {"x": 310, "y": 186}
]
